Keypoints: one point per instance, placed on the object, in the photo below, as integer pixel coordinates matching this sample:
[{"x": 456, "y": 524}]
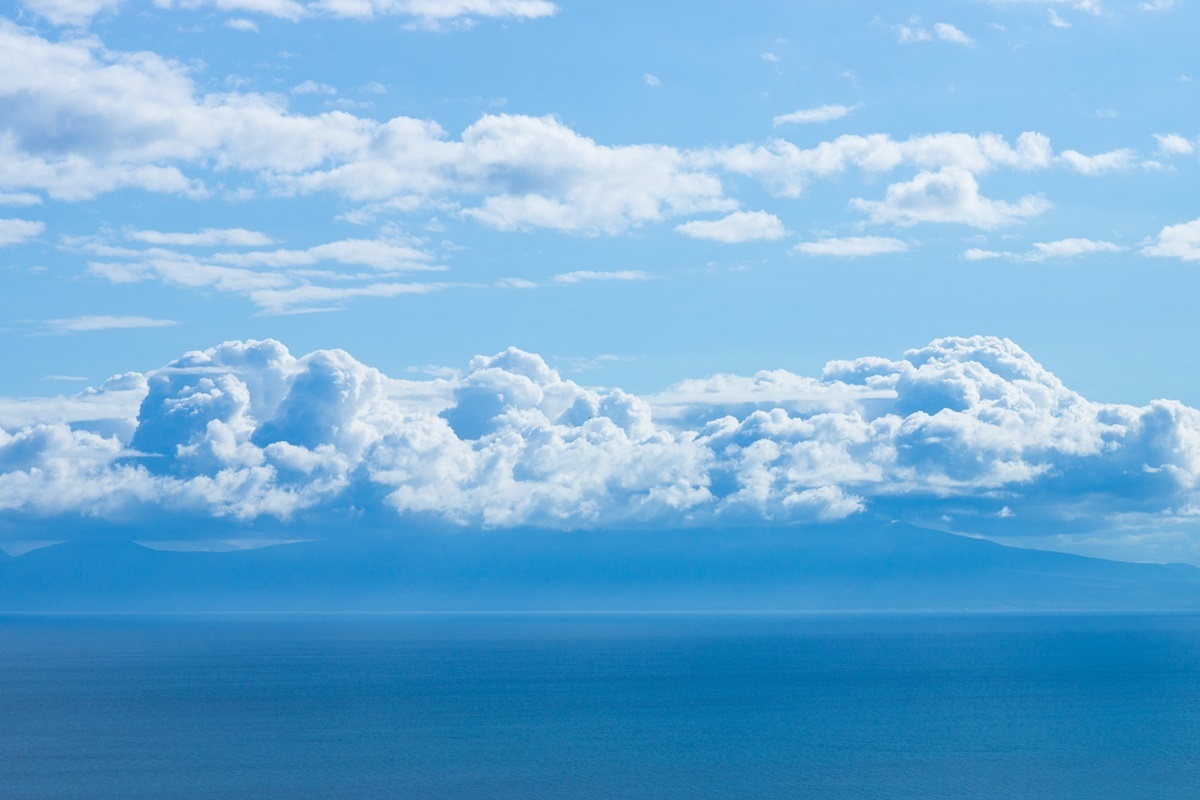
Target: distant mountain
[{"x": 859, "y": 566}]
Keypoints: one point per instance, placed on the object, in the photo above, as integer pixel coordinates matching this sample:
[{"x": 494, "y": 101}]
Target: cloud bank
[{"x": 970, "y": 430}]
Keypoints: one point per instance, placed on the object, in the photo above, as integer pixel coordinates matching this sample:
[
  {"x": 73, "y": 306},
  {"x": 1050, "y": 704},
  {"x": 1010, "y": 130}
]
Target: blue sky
[{"x": 645, "y": 195}]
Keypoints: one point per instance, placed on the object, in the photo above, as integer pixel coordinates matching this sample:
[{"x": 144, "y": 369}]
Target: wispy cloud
[
  {"x": 949, "y": 33},
  {"x": 15, "y": 231},
  {"x": 852, "y": 247},
  {"x": 740, "y": 226},
  {"x": 579, "y": 276},
  {"x": 1060, "y": 249},
  {"x": 208, "y": 237},
  {"x": 825, "y": 113},
  {"x": 105, "y": 322}
]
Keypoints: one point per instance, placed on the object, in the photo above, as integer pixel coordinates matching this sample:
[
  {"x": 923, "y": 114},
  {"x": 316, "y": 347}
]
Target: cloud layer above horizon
[{"x": 971, "y": 432}]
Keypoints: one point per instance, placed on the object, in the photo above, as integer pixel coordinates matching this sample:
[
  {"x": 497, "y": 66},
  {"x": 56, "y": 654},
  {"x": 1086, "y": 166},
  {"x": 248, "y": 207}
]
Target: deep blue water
[{"x": 600, "y": 707}]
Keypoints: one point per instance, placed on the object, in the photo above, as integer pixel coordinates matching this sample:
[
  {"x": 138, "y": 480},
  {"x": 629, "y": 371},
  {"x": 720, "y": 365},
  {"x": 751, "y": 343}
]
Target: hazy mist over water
[{"x": 590, "y": 706}]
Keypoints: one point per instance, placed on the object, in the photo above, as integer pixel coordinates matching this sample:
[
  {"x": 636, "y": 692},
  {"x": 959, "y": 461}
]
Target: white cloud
[
  {"x": 1090, "y": 6},
  {"x": 950, "y": 195},
  {"x": 1100, "y": 163},
  {"x": 241, "y": 24},
  {"x": 786, "y": 168},
  {"x": 106, "y": 323},
  {"x": 1159, "y": 5},
  {"x": 979, "y": 254},
  {"x": 909, "y": 34},
  {"x": 15, "y": 231},
  {"x": 651, "y": 80},
  {"x": 1172, "y": 144},
  {"x": 581, "y": 275},
  {"x": 136, "y": 120},
  {"x": 852, "y": 247},
  {"x": 825, "y": 113},
  {"x": 1056, "y": 21},
  {"x": 947, "y": 32},
  {"x": 208, "y": 237},
  {"x": 740, "y": 226},
  {"x": 963, "y": 428},
  {"x": 426, "y": 13},
  {"x": 1048, "y": 251},
  {"x": 433, "y": 13},
  {"x": 278, "y": 281},
  {"x": 313, "y": 87},
  {"x": 19, "y": 199},
  {"x": 1070, "y": 248},
  {"x": 70, "y": 12},
  {"x": 1177, "y": 241}
]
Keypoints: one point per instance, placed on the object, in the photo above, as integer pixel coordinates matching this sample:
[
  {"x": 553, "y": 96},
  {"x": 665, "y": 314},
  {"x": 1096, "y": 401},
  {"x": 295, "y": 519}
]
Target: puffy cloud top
[{"x": 967, "y": 428}]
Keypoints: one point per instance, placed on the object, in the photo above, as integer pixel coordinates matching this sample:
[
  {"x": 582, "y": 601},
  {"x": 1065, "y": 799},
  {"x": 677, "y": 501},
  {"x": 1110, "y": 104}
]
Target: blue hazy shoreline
[
  {"x": 861, "y": 565},
  {"x": 829, "y": 705}
]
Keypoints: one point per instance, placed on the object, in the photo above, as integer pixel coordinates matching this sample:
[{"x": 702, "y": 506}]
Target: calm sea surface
[{"x": 600, "y": 707}]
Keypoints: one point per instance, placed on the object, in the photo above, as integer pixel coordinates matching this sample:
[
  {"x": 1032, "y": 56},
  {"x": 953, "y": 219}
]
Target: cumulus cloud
[
  {"x": 852, "y": 246},
  {"x": 77, "y": 120},
  {"x": 825, "y": 113},
  {"x": 740, "y": 226},
  {"x": 15, "y": 231},
  {"x": 1177, "y": 241},
  {"x": 964, "y": 427},
  {"x": 950, "y": 195}
]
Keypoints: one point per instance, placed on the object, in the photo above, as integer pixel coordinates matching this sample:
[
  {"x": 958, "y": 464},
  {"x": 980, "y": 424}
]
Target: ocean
[{"x": 637, "y": 706}]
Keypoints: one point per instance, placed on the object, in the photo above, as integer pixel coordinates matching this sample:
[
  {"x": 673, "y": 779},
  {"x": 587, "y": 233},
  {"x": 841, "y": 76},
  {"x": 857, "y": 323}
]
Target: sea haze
[
  {"x": 853, "y": 565},
  {"x": 592, "y": 706}
]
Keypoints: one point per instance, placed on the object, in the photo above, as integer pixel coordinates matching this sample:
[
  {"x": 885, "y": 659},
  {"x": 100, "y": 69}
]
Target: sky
[{"x": 521, "y": 262}]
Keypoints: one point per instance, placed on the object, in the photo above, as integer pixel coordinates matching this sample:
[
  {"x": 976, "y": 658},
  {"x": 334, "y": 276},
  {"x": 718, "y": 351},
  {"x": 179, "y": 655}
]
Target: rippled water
[{"x": 600, "y": 707}]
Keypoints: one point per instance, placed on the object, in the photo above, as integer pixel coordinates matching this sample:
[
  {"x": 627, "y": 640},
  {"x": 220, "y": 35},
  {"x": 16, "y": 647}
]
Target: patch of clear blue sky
[{"x": 1114, "y": 326}]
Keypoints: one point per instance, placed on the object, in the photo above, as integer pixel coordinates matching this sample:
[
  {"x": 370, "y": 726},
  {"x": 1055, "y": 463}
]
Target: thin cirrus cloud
[
  {"x": 105, "y": 322},
  {"x": 852, "y": 247},
  {"x": 278, "y": 280},
  {"x": 740, "y": 226},
  {"x": 961, "y": 428},
  {"x": 208, "y": 237},
  {"x": 424, "y": 13},
  {"x": 582, "y": 275},
  {"x": 1048, "y": 251}
]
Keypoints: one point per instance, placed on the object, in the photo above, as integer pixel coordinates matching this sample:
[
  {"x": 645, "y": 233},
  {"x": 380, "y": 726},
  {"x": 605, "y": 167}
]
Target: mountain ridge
[{"x": 860, "y": 566}]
